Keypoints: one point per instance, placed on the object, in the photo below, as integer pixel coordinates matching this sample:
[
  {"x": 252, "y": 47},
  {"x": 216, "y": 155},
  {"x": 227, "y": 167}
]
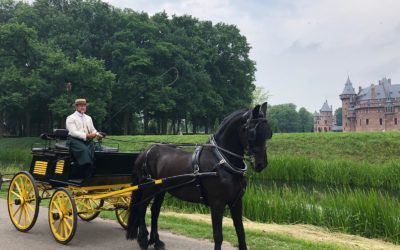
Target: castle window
[
  {"x": 380, "y": 121},
  {"x": 326, "y": 122},
  {"x": 366, "y": 121},
  {"x": 395, "y": 121},
  {"x": 360, "y": 122}
]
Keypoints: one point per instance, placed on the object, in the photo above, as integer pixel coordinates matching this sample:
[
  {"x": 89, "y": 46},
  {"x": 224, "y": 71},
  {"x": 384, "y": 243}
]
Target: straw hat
[{"x": 80, "y": 101}]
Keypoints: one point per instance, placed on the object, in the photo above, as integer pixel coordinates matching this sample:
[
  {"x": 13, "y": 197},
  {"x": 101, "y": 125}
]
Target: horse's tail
[{"x": 133, "y": 219}]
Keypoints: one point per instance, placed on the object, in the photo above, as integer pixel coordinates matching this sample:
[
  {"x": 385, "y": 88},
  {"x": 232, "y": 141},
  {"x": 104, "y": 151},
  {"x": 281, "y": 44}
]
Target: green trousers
[{"x": 82, "y": 151}]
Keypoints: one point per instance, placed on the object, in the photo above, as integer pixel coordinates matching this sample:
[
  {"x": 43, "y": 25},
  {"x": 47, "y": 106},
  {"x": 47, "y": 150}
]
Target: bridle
[{"x": 251, "y": 136}]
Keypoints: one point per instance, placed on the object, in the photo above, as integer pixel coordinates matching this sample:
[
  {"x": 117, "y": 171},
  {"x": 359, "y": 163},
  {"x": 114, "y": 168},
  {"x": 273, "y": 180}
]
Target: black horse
[{"x": 242, "y": 132}]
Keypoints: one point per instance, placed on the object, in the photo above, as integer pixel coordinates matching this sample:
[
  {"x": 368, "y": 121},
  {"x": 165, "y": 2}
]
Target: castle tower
[
  {"x": 325, "y": 118},
  {"x": 316, "y": 121},
  {"x": 348, "y": 98}
]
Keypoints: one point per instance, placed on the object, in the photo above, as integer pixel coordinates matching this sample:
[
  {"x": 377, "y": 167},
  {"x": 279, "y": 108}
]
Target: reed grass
[{"x": 370, "y": 213}]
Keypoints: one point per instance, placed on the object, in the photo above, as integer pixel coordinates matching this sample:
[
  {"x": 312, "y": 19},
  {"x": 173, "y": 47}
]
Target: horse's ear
[
  {"x": 263, "y": 108},
  {"x": 256, "y": 112}
]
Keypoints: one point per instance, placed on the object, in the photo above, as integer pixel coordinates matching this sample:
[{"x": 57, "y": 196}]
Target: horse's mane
[{"x": 228, "y": 118}]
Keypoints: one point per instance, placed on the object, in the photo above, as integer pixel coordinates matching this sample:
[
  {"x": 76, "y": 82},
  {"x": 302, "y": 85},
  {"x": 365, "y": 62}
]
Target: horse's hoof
[
  {"x": 144, "y": 245},
  {"x": 159, "y": 245}
]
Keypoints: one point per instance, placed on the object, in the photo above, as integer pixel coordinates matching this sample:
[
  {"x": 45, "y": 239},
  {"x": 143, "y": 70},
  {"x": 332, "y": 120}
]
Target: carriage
[
  {"x": 51, "y": 178},
  {"x": 241, "y": 136}
]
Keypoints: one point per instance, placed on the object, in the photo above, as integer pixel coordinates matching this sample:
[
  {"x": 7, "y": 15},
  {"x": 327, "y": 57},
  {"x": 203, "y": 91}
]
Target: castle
[
  {"x": 325, "y": 121},
  {"x": 375, "y": 108}
]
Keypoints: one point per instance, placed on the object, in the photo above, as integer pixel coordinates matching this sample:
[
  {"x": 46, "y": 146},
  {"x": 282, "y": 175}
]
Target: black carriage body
[{"x": 54, "y": 165}]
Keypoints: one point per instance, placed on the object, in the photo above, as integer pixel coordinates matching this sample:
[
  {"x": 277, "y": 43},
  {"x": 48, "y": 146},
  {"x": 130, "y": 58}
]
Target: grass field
[{"x": 343, "y": 181}]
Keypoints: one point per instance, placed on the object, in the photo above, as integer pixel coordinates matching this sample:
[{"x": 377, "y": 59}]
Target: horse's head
[{"x": 254, "y": 134}]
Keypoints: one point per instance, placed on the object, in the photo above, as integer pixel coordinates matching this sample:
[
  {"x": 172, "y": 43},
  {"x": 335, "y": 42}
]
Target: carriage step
[{"x": 76, "y": 181}]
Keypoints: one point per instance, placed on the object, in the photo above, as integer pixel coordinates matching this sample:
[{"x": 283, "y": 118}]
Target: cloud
[{"x": 304, "y": 49}]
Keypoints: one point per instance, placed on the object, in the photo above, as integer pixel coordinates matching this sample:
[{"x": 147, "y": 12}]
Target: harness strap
[
  {"x": 196, "y": 171},
  {"x": 145, "y": 170},
  {"x": 224, "y": 162}
]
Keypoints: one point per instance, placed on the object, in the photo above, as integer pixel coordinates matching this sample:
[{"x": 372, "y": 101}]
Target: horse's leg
[
  {"x": 155, "y": 212},
  {"x": 236, "y": 213},
  {"x": 217, "y": 212},
  {"x": 143, "y": 233}
]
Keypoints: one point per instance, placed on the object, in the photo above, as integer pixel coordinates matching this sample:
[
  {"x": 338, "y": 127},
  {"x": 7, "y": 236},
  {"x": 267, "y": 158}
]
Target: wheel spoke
[
  {"x": 28, "y": 214},
  {"x": 16, "y": 211},
  {"x": 30, "y": 207},
  {"x": 23, "y": 186},
  {"x": 56, "y": 205},
  {"x": 14, "y": 193},
  {"x": 19, "y": 189},
  {"x": 65, "y": 229},
  {"x": 23, "y": 211},
  {"x": 61, "y": 228},
  {"x": 58, "y": 227},
  {"x": 68, "y": 225}
]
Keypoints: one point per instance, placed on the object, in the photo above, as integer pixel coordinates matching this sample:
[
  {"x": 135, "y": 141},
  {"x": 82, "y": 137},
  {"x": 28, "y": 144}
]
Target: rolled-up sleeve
[{"x": 73, "y": 130}]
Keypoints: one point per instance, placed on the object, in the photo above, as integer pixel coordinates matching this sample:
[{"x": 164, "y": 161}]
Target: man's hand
[
  {"x": 99, "y": 136},
  {"x": 90, "y": 136}
]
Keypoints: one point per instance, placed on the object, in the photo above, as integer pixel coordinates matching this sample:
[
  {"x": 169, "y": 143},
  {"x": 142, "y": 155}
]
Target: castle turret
[{"x": 348, "y": 98}]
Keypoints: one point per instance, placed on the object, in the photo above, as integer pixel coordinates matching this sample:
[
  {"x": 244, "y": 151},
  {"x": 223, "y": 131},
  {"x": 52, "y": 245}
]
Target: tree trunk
[
  {"x": 125, "y": 122},
  {"x": 158, "y": 126},
  {"x": 206, "y": 126},
  {"x": 186, "y": 126},
  {"x": 164, "y": 125},
  {"x": 178, "y": 131},
  {"x": 194, "y": 125},
  {"x": 145, "y": 122},
  {"x": 173, "y": 128},
  {"x": 27, "y": 131}
]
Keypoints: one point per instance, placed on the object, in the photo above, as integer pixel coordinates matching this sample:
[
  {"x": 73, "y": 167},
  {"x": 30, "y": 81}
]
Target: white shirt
[{"x": 79, "y": 125}]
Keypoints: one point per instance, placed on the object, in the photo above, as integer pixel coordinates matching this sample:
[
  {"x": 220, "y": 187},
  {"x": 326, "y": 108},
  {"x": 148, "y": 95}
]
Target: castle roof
[
  {"x": 348, "y": 88},
  {"x": 325, "y": 107},
  {"x": 382, "y": 91}
]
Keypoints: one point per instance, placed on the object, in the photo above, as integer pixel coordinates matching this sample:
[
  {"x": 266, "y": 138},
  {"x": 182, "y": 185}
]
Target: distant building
[
  {"x": 325, "y": 121},
  {"x": 375, "y": 108}
]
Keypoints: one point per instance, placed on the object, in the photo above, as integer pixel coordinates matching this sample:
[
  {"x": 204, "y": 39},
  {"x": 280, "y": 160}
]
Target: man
[{"x": 81, "y": 133}]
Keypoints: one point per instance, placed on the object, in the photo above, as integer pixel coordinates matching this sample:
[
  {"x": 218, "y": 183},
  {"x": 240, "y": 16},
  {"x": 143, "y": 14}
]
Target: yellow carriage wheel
[
  {"x": 90, "y": 205},
  {"x": 62, "y": 216},
  {"x": 23, "y": 201},
  {"x": 123, "y": 214}
]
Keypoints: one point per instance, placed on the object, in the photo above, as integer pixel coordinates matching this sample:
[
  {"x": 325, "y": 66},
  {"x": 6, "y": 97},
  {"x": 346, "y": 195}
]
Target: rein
[{"x": 213, "y": 145}]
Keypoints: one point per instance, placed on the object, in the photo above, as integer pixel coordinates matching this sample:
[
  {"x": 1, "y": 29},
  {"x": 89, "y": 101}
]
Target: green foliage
[
  {"x": 121, "y": 61},
  {"x": 284, "y": 118},
  {"x": 338, "y": 115}
]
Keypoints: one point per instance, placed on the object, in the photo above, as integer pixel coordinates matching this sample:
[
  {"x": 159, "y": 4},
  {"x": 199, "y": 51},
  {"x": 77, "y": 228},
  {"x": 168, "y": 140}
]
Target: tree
[
  {"x": 121, "y": 61},
  {"x": 306, "y": 120},
  {"x": 285, "y": 117},
  {"x": 338, "y": 115},
  {"x": 259, "y": 96}
]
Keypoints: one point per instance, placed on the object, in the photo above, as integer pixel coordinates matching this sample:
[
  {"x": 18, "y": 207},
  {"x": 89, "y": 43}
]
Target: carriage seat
[
  {"x": 58, "y": 134},
  {"x": 61, "y": 146}
]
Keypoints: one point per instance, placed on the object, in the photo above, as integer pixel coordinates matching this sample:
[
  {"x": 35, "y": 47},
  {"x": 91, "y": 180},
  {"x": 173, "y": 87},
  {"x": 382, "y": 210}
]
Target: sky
[{"x": 305, "y": 49}]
